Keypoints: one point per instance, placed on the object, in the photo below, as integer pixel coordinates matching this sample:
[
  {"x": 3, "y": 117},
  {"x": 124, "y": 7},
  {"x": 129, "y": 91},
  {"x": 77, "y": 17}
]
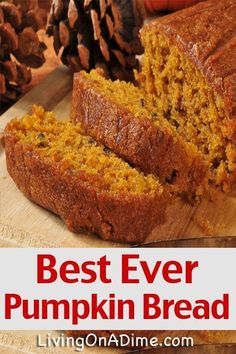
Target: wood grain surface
[{"x": 23, "y": 224}]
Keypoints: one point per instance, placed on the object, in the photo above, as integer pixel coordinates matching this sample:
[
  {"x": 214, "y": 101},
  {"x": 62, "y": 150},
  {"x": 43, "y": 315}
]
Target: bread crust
[
  {"x": 206, "y": 34},
  {"x": 152, "y": 149},
  {"x": 121, "y": 218}
]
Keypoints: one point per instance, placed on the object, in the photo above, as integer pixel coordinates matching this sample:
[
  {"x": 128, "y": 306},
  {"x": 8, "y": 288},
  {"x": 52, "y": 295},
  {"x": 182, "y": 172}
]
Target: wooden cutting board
[{"x": 23, "y": 224}]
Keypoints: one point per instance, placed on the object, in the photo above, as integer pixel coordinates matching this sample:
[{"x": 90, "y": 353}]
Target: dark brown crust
[
  {"x": 206, "y": 33},
  {"x": 139, "y": 141},
  {"x": 82, "y": 207}
]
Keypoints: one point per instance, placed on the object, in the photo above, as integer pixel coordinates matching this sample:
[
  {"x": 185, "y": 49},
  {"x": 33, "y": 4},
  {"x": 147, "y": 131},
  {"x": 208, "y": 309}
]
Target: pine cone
[
  {"x": 45, "y": 4},
  {"x": 98, "y": 34},
  {"x": 20, "y": 47}
]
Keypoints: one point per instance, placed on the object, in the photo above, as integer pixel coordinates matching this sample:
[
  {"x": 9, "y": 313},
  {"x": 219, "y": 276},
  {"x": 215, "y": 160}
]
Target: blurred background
[{"x": 28, "y": 54}]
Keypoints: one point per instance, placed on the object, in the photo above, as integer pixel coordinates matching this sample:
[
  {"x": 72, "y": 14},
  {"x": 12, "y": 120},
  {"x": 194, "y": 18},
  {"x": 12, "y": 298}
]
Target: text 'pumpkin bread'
[{"x": 88, "y": 186}]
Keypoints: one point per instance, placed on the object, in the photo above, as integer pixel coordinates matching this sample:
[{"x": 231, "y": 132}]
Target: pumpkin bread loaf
[
  {"x": 188, "y": 93},
  {"x": 88, "y": 186},
  {"x": 126, "y": 119},
  {"x": 190, "y": 66}
]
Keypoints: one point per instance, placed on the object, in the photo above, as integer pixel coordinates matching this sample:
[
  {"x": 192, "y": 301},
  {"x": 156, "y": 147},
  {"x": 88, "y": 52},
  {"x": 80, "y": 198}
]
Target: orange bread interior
[
  {"x": 189, "y": 103},
  {"x": 63, "y": 143}
]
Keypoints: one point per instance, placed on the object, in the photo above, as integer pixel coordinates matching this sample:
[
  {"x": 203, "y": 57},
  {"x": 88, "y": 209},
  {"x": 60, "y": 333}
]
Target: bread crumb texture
[
  {"x": 190, "y": 104},
  {"x": 64, "y": 144},
  {"x": 187, "y": 84},
  {"x": 141, "y": 104}
]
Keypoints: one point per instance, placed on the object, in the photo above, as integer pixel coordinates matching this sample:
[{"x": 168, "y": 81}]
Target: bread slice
[
  {"x": 129, "y": 122},
  {"x": 88, "y": 186},
  {"x": 190, "y": 65}
]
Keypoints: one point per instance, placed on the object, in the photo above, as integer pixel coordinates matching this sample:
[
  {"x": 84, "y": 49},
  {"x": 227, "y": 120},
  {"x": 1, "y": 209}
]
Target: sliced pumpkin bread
[{"x": 88, "y": 186}]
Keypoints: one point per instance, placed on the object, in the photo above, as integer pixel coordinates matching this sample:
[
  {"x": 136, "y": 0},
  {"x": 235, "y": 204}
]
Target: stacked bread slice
[
  {"x": 180, "y": 122},
  {"x": 67, "y": 172},
  {"x": 129, "y": 149},
  {"x": 128, "y": 121}
]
